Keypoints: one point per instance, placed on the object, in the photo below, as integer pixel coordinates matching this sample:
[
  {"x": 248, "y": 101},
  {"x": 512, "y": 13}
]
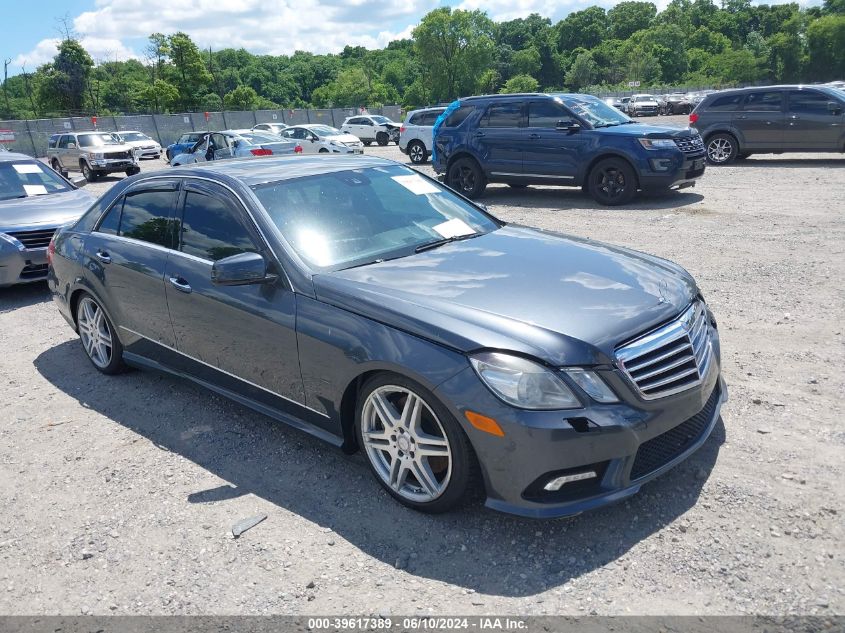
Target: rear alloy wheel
[
  {"x": 417, "y": 153},
  {"x": 612, "y": 182},
  {"x": 133, "y": 170},
  {"x": 414, "y": 446},
  {"x": 466, "y": 177},
  {"x": 90, "y": 174},
  {"x": 97, "y": 335},
  {"x": 721, "y": 149},
  {"x": 382, "y": 138}
]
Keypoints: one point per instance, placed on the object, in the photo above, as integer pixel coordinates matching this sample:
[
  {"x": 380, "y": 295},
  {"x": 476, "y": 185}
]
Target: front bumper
[
  {"x": 607, "y": 439},
  {"x": 672, "y": 171},
  {"x": 22, "y": 267},
  {"x": 111, "y": 164}
]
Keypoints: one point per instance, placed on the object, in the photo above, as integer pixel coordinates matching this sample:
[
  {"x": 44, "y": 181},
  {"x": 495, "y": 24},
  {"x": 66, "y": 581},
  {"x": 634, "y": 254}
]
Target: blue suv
[{"x": 562, "y": 139}]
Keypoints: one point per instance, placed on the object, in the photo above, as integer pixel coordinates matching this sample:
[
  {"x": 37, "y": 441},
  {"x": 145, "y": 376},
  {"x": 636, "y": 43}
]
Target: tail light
[
  {"x": 402, "y": 129},
  {"x": 297, "y": 149},
  {"x": 51, "y": 250},
  {"x": 693, "y": 118},
  {"x": 261, "y": 152}
]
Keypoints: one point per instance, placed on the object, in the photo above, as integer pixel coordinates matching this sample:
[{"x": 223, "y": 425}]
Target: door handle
[
  {"x": 180, "y": 284},
  {"x": 534, "y": 136},
  {"x": 794, "y": 117},
  {"x": 103, "y": 257},
  {"x": 479, "y": 134}
]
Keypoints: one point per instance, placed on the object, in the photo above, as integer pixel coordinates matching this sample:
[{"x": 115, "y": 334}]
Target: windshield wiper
[{"x": 446, "y": 240}]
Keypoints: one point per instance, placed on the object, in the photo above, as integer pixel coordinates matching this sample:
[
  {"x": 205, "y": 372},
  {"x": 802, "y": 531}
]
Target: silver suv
[
  {"x": 415, "y": 134},
  {"x": 95, "y": 154}
]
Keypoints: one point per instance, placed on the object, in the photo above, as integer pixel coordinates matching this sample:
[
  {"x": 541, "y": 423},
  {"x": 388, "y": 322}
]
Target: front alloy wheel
[
  {"x": 417, "y": 451},
  {"x": 466, "y": 177},
  {"x": 416, "y": 152},
  {"x": 612, "y": 182},
  {"x": 97, "y": 335},
  {"x": 90, "y": 174}
]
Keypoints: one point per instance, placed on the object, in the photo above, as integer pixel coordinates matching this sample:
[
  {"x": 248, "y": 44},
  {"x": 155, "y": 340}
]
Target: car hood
[
  {"x": 141, "y": 143},
  {"x": 343, "y": 138},
  {"x": 562, "y": 299},
  {"x": 48, "y": 210},
  {"x": 641, "y": 130}
]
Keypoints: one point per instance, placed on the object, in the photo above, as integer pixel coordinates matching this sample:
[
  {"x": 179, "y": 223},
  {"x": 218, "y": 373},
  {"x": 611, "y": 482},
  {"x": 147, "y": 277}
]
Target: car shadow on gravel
[
  {"x": 23, "y": 296},
  {"x": 472, "y": 548},
  {"x": 571, "y": 198},
  {"x": 808, "y": 163}
]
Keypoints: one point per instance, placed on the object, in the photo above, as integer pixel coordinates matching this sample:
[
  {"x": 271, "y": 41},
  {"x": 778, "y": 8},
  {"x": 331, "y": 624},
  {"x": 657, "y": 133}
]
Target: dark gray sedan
[
  {"x": 372, "y": 307},
  {"x": 34, "y": 201}
]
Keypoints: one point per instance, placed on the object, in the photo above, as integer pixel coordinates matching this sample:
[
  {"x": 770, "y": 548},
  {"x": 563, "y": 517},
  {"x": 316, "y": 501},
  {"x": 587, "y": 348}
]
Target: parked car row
[{"x": 93, "y": 153}]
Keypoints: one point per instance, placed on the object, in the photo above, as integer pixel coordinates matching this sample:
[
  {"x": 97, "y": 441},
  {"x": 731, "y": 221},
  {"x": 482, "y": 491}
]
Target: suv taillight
[
  {"x": 402, "y": 130},
  {"x": 693, "y": 118},
  {"x": 51, "y": 250}
]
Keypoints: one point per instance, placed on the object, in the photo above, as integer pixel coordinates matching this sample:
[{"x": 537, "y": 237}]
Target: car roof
[
  {"x": 276, "y": 168},
  {"x": 131, "y": 132},
  {"x": 428, "y": 109},
  {"x": 10, "y": 156},
  {"x": 774, "y": 87}
]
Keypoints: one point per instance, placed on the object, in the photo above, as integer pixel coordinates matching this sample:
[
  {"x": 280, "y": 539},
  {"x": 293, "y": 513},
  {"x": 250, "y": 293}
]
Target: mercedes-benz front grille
[
  {"x": 690, "y": 144},
  {"x": 34, "y": 239},
  {"x": 672, "y": 358}
]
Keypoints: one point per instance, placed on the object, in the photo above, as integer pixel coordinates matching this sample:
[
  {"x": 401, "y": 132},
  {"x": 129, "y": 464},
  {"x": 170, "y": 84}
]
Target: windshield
[
  {"x": 595, "y": 111},
  {"x": 325, "y": 130},
  {"x": 190, "y": 138},
  {"x": 259, "y": 137},
  {"x": 380, "y": 119},
  {"x": 134, "y": 136},
  {"x": 96, "y": 140},
  {"x": 28, "y": 178},
  {"x": 360, "y": 216},
  {"x": 643, "y": 98}
]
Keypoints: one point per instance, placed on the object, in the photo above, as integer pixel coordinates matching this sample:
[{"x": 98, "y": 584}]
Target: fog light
[
  {"x": 558, "y": 482},
  {"x": 661, "y": 164}
]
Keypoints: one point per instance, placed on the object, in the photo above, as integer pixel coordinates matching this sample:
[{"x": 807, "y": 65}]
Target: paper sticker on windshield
[
  {"x": 25, "y": 168},
  {"x": 416, "y": 184},
  {"x": 454, "y": 228},
  {"x": 35, "y": 190}
]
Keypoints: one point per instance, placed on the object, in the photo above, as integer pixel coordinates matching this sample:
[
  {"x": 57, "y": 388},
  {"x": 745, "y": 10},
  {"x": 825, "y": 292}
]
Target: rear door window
[
  {"x": 501, "y": 115},
  {"x": 458, "y": 116},
  {"x": 768, "y": 101},
  {"x": 146, "y": 214}
]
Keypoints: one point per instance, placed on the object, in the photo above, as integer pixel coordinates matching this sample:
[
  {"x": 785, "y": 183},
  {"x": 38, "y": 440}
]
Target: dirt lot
[{"x": 118, "y": 494}]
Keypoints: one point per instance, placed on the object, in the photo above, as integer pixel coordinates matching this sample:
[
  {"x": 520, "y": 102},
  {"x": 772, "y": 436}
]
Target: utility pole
[{"x": 5, "y": 88}]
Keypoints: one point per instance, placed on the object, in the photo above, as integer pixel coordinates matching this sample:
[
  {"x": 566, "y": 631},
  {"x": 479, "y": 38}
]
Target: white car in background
[
  {"x": 316, "y": 138},
  {"x": 372, "y": 128},
  {"x": 149, "y": 147},
  {"x": 415, "y": 135},
  {"x": 272, "y": 128}
]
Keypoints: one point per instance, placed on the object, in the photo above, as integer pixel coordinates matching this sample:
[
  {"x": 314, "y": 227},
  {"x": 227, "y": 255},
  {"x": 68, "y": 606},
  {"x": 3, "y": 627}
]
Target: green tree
[
  {"x": 826, "y": 47},
  {"x": 527, "y": 61},
  {"x": 520, "y": 83},
  {"x": 161, "y": 96},
  {"x": 241, "y": 98},
  {"x": 455, "y": 46},
  {"x": 191, "y": 77},
  {"x": 64, "y": 82},
  {"x": 626, "y": 18},
  {"x": 583, "y": 71},
  {"x": 582, "y": 29}
]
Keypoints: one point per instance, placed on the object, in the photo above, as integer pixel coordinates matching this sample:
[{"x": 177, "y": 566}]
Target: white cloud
[
  {"x": 259, "y": 26},
  {"x": 100, "y": 49}
]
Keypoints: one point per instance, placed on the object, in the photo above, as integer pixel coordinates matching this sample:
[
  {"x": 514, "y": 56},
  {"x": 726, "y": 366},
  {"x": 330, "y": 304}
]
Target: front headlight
[
  {"x": 13, "y": 241},
  {"x": 657, "y": 143},
  {"x": 592, "y": 384},
  {"x": 523, "y": 383}
]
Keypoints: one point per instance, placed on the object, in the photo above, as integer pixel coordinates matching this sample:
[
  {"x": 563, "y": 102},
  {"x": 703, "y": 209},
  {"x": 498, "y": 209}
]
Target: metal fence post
[
  {"x": 31, "y": 139},
  {"x": 155, "y": 125}
]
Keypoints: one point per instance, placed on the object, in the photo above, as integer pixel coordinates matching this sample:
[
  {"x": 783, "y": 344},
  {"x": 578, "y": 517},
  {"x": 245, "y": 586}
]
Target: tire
[
  {"x": 382, "y": 138},
  {"x": 517, "y": 185},
  {"x": 133, "y": 170},
  {"x": 323, "y": 150},
  {"x": 90, "y": 174},
  {"x": 367, "y": 143},
  {"x": 465, "y": 177},
  {"x": 394, "y": 419},
  {"x": 55, "y": 165},
  {"x": 167, "y": 156},
  {"x": 97, "y": 333},
  {"x": 722, "y": 149},
  {"x": 417, "y": 152},
  {"x": 612, "y": 181}
]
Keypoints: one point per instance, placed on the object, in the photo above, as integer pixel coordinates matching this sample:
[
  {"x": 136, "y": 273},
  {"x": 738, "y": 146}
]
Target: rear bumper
[{"x": 22, "y": 267}]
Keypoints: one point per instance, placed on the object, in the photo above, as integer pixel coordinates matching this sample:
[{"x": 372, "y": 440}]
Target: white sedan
[
  {"x": 140, "y": 142},
  {"x": 323, "y": 139}
]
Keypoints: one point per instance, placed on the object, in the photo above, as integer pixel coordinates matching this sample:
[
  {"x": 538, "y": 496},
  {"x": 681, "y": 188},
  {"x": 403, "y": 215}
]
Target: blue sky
[{"x": 117, "y": 29}]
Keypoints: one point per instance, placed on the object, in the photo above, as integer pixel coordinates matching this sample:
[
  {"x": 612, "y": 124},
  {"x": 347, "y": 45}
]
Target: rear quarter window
[
  {"x": 459, "y": 116},
  {"x": 416, "y": 119},
  {"x": 725, "y": 103}
]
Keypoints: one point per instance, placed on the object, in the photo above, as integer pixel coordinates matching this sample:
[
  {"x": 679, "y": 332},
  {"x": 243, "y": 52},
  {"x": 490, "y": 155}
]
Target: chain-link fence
[{"x": 31, "y": 136}]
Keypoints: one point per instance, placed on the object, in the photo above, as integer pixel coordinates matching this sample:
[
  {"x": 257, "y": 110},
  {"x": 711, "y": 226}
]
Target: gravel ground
[{"x": 118, "y": 494}]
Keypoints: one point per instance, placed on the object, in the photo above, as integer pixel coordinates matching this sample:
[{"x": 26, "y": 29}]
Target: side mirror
[
  {"x": 568, "y": 126},
  {"x": 240, "y": 270},
  {"x": 71, "y": 145},
  {"x": 79, "y": 181}
]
